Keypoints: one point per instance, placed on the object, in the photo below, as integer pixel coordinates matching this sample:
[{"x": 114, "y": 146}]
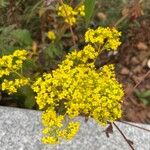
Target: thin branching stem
[
  {"x": 137, "y": 85},
  {"x": 124, "y": 136},
  {"x": 121, "y": 20},
  {"x": 134, "y": 125},
  {"x": 73, "y": 36}
]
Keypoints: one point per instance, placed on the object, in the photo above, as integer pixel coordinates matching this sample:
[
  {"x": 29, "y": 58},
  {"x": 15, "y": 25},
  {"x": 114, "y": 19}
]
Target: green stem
[{"x": 20, "y": 75}]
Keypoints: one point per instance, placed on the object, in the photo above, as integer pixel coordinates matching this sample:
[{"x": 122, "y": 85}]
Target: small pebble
[
  {"x": 148, "y": 63},
  {"x": 125, "y": 71},
  {"x": 142, "y": 46}
]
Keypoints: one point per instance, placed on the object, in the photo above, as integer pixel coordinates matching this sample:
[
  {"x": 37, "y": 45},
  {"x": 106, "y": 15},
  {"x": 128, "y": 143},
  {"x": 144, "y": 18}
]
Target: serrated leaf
[
  {"x": 49, "y": 52},
  {"x": 54, "y": 50},
  {"x": 89, "y": 9},
  {"x": 22, "y": 36}
]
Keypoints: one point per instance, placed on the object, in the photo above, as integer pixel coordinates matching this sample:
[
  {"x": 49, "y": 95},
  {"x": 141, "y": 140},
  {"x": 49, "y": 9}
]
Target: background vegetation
[{"x": 24, "y": 25}]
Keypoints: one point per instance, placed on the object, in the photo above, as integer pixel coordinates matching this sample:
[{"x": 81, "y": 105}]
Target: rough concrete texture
[{"x": 20, "y": 129}]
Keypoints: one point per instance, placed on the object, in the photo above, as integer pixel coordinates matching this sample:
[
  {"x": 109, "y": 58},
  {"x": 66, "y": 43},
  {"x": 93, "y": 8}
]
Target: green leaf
[
  {"x": 54, "y": 50},
  {"x": 58, "y": 49},
  {"x": 23, "y": 36},
  {"x": 144, "y": 101},
  {"x": 89, "y": 8},
  {"x": 145, "y": 93},
  {"x": 29, "y": 102},
  {"x": 49, "y": 51},
  {"x": 3, "y": 3},
  {"x": 137, "y": 93},
  {"x": 144, "y": 96},
  {"x": 29, "y": 96}
]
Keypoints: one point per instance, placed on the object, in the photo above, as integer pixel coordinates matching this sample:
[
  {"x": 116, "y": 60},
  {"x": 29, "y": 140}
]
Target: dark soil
[{"x": 132, "y": 65}]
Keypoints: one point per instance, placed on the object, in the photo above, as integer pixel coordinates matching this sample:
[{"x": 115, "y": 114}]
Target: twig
[
  {"x": 137, "y": 85},
  {"x": 124, "y": 136},
  {"x": 120, "y": 20},
  {"x": 73, "y": 36},
  {"x": 134, "y": 125}
]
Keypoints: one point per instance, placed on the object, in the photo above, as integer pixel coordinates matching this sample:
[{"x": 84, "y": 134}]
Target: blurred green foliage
[
  {"x": 12, "y": 38},
  {"x": 89, "y": 9},
  {"x": 143, "y": 96}
]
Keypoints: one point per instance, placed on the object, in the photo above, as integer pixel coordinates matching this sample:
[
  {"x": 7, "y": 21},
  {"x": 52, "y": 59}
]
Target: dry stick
[
  {"x": 73, "y": 36},
  {"x": 134, "y": 125},
  {"x": 137, "y": 85},
  {"x": 120, "y": 20},
  {"x": 124, "y": 136}
]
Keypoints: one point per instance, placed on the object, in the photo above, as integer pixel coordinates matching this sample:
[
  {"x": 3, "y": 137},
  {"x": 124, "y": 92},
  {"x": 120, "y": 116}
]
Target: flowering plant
[{"x": 76, "y": 87}]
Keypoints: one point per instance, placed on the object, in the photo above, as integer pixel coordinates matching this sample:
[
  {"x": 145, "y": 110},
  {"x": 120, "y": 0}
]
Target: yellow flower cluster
[
  {"x": 81, "y": 10},
  {"x": 12, "y": 86},
  {"x": 76, "y": 87},
  {"x": 51, "y": 35},
  {"x": 70, "y": 131},
  {"x": 69, "y": 14},
  {"x": 54, "y": 129},
  {"x": 11, "y": 63},
  {"x": 50, "y": 118},
  {"x": 88, "y": 52},
  {"x": 108, "y": 38}
]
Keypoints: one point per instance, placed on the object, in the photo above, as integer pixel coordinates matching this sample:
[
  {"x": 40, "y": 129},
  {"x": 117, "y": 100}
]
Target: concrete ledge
[{"x": 20, "y": 129}]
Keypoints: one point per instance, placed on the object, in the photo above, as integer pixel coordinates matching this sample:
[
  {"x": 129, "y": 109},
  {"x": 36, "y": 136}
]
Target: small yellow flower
[
  {"x": 81, "y": 10},
  {"x": 12, "y": 86},
  {"x": 72, "y": 128},
  {"x": 51, "y": 35},
  {"x": 69, "y": 14},
  {"x": 49, "y": 140},
  {"x": 104, "y": 36},
  {"x": 13, "y": 62}
]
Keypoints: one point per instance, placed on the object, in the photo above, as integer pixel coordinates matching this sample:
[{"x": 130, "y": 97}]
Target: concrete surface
[{"x": 20, "y": 129}]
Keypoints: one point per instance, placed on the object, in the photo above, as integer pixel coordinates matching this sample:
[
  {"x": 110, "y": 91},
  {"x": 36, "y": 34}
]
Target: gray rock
[{"x": 20, "y": 129}]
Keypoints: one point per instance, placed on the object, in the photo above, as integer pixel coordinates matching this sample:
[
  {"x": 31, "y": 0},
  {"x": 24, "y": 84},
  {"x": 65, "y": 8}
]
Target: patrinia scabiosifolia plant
[{"x": 77, "y": 88}]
